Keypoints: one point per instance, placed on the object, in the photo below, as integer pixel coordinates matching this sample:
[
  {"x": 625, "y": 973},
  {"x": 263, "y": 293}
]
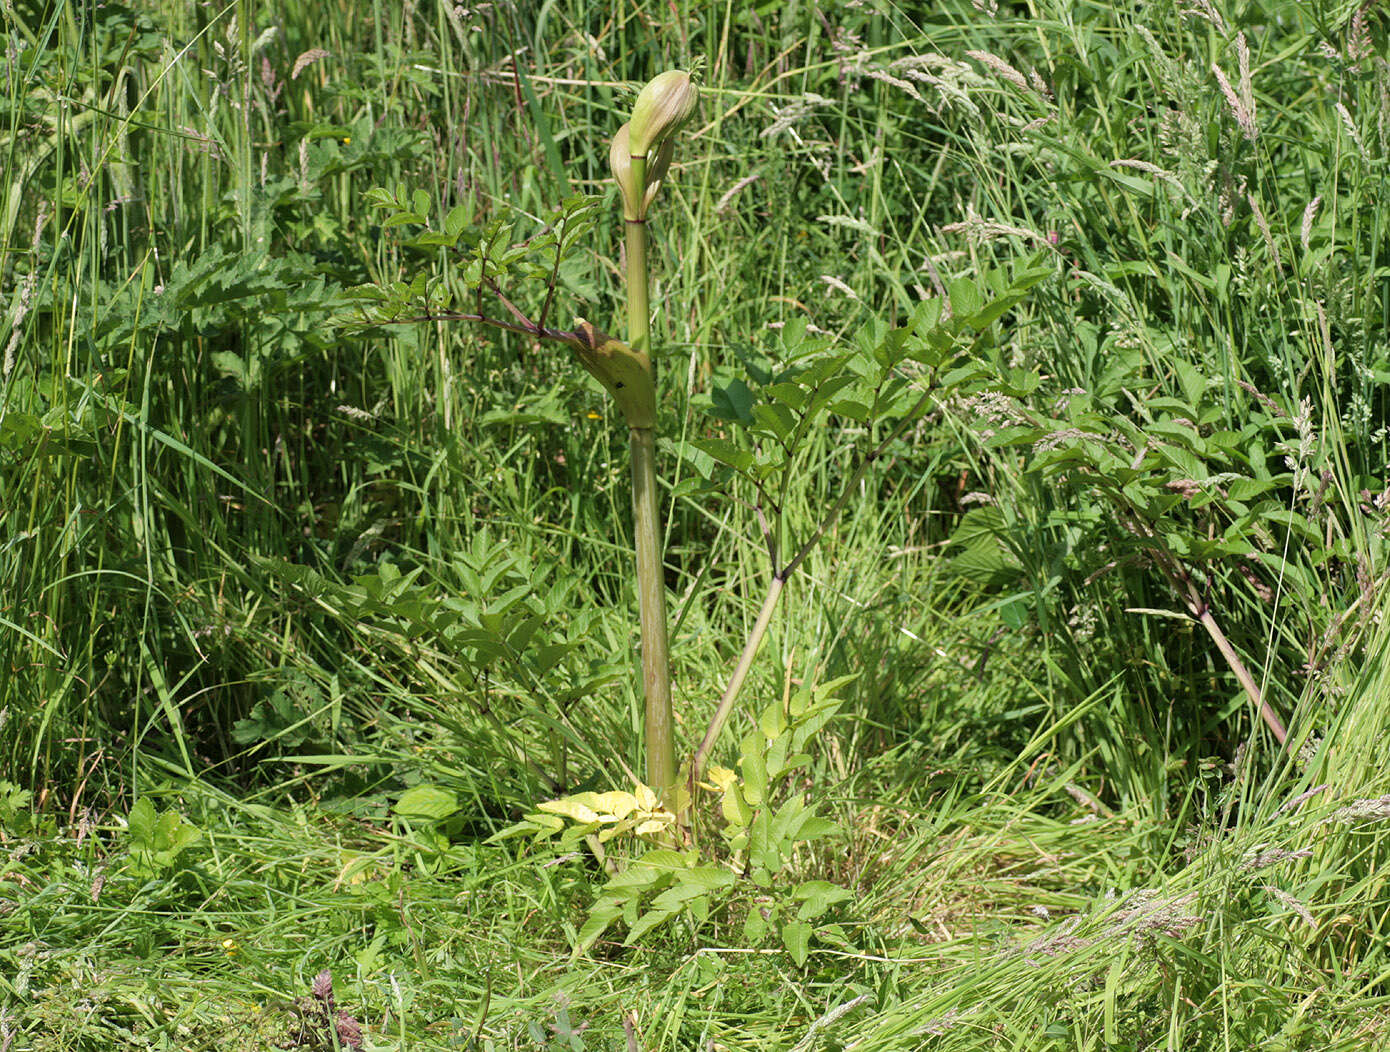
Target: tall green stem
[
  {"x": 646, "y": 515},
  {"x": 638, "y": 304},
  {"x": 651, "y": 591}
]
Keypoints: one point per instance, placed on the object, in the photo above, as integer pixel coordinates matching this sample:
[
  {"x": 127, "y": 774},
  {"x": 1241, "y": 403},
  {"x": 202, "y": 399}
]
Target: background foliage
[{"x": 295, "y": 615}]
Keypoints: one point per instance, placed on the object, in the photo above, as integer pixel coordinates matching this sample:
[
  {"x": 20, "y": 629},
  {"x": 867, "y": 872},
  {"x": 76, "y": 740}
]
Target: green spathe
[
  {"x": 664, "y": 105},
  {"x": 635, "y": 204}
]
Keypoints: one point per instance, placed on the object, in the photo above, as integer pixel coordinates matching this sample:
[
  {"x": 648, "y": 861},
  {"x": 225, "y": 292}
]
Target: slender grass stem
[{"x": 1203, "y": 613}]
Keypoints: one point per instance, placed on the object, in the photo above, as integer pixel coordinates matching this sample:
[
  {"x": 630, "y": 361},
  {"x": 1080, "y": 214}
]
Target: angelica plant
[
  {"x": 880, "y": 382},
  {"x": 640, "y": 157}
]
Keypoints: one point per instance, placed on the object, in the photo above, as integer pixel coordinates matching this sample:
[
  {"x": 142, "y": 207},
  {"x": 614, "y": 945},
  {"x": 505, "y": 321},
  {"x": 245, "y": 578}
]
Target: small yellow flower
[{"x": 230, "y": 947}]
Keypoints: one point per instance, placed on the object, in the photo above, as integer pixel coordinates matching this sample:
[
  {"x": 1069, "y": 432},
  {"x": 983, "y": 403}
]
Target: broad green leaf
[
  {"x": 965, "y": 300},
  {"x": 776, "y": 420},
  {"x": 850, "y": 410},
  {"x": 572, "y": 807},
  {"x": 426, "y": 801},
  {"x": 817, "y": 896},
  {"x": 456, "y": 221},
  {"x": 793, "y": 396},
  {"x": 599, "y": 920},
  {"x": 1194, "y": 384},
  {"x": 925, "y": 316},
  {"x": 637, "y": 875},
  {"x": 1188, "y": 464},
  {"x": 754, "y": 925},
  {"x": 646, "y": 922},
  {"x": 725, "y": 452},
  {"x": 754, "y": 770},
  {"x": 735, "y": 809},
  {"x": 140, "y": 822},
  {"x": 1246, "y": 489},
  {"x": 733, "y": 401},
  {"x": 773, "y": 721},
  {"x": 706, "y": 878},
  {"x": 665, "y": 859},
  {"x": 796, "y": 937},
  {"x": 816, "y": 828}
]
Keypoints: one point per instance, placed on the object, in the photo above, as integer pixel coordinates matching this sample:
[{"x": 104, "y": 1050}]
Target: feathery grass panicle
[
  {"x": 1243, "y": 113},
  {"x": 1306, "y": 227},
  {"x": 1004, "y": 69}
]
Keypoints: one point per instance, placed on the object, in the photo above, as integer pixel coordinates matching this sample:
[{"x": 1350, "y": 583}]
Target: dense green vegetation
[{"x": 300, "y": 608}]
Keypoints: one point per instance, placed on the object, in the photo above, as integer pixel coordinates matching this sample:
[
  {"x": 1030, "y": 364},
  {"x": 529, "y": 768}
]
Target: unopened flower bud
[
  {"x": 665, "y": 104},
  {"x": 620, "y": 160}
]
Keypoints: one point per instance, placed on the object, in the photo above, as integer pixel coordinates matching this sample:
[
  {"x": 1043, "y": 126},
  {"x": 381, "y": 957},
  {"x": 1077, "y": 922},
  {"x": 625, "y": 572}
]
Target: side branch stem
[
  {"x": 779, "y": 580},
  {"x": 731, "y": 692}
]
